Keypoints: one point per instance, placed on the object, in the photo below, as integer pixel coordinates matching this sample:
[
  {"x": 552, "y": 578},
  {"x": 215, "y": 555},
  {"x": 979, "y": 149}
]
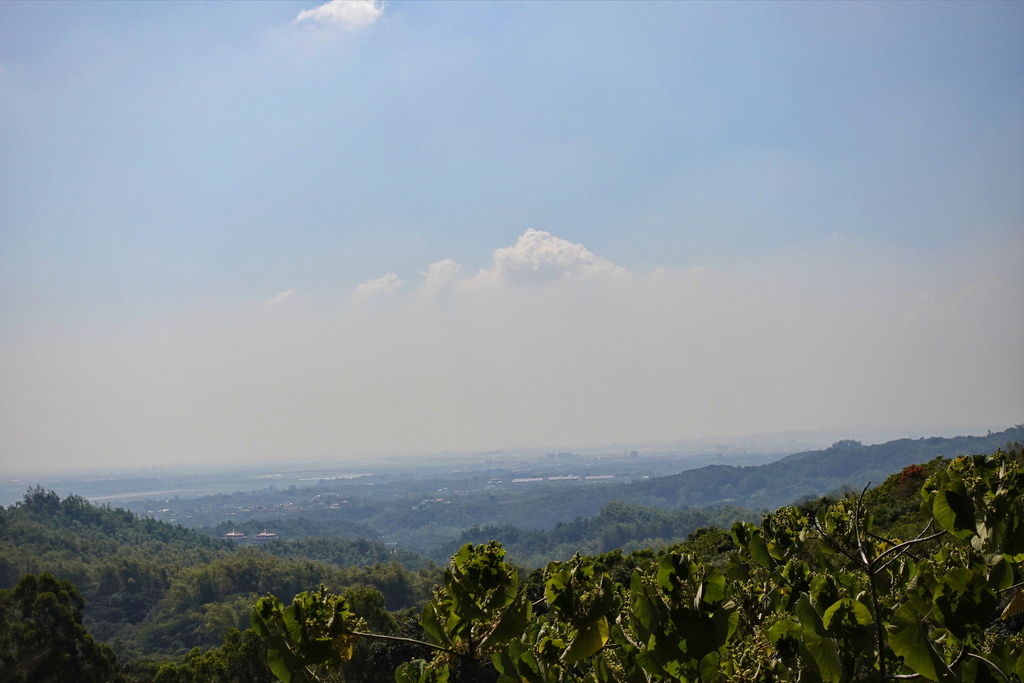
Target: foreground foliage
[
  {"x": 42, "y": 637},
  {"x": 816, "y": 593}
]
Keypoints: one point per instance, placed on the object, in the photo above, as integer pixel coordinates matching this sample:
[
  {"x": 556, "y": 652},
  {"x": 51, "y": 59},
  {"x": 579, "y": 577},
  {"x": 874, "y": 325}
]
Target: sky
[{"x": 280, "y": 231}]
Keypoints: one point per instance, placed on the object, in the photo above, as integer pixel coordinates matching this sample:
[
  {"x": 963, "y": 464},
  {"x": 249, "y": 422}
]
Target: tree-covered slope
[
  {"x": 664, "y": 510},
  {"x": 156, "y": 587},
  {"x": 617, "y": 526},
  {"x": 847, "y": 464},
  {"x": 919, "y": 577},
  {"x": 819, "y": 593}
]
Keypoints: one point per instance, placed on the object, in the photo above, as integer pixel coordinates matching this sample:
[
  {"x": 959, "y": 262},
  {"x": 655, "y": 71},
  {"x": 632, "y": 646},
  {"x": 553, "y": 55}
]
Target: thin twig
[
  {"x": 872, "y": 571},
  {"x": 959, "y": 657},
  {"x": 921, "y": 538},
  {"x": 998, "y": 670},
  {"x": 856, "y": 528},
  {"x": 907, "y": 545},
  {"x": 413, "y": 641},
  {"x": 1010, "y": 588},
  {"x": 833, "y": 542}
]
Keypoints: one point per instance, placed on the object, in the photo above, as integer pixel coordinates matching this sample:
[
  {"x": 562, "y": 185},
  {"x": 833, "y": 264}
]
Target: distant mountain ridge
[
  {"x": 664, "y": 510},
  {"x": 812, "y": 473}
]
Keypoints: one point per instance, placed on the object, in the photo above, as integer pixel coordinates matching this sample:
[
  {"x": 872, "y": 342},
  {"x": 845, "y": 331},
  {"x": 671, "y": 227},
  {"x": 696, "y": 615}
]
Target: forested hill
[
  {"x": 805, "y": 595},
  {"x": 156, "y": 587},
  {"x": 73, "y": 538},
  {"x": 845, "y": 464},
  {"x": 660, "y": 511}
]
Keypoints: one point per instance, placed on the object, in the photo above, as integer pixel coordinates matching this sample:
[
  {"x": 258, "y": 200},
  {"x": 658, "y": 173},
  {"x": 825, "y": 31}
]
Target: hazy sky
[{"x": 259, "y": 231}]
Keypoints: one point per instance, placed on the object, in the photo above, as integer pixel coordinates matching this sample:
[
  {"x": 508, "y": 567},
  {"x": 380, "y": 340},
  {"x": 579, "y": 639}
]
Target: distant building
[
  {"x": 264, "y": 536},
  {"x": 236, "y": 536}
]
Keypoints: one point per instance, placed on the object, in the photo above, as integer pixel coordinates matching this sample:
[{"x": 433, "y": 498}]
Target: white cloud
[
  {"x": 345, "y": 14},
  {"x": 388, "y": 284},
  {"x": 539, "y": 256},
  {"x": 439, "y": 276},
  {"x": 804, "y": 339},
  {"x": 279, "y": 298}
]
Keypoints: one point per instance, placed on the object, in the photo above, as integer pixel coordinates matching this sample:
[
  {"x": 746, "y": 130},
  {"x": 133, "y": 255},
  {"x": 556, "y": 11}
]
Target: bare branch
[
  {"x": 989, "y": 662},
  {"x": 921, "y": 538},
  {"x": 833, "y": 542},
  {"x": 907, "y": 549},
  {"x": 1010, "y": 588},
  {"x": 856, "y": 528},
  {"x": 413, "y": 641}
]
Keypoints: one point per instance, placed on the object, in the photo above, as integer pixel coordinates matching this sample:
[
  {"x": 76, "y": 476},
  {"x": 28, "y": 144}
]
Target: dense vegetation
[
  {"x": 616, "y": 526},
  {"x": 42, "y": 636},
  {"x": 845, "y": 464},
  {"x": 818, "y": 593},
  {"x": 154, "y": 588},
  {"x": 918, "y": 577}
]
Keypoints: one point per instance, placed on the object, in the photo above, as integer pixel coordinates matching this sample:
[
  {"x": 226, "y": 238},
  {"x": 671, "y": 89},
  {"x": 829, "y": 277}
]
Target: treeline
[
  {"x": 436, "y": 528},
  {"x": 158, "y": 588},
  {"x": 821, "y": 592},
  {"x": 616, "y": 526},
  {"x": 846, "y": 464},
  {"x": 660, "y": 511},
  {"x": 920, "y": 578},
  {"x": 154, "y": 591},
  {"x": 294, "y": 527},
  {"x": 338, "y": 542}
]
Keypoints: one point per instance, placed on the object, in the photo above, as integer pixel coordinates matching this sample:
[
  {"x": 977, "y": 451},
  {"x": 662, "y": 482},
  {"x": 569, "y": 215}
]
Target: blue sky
[{"x": 166, "y": 169}]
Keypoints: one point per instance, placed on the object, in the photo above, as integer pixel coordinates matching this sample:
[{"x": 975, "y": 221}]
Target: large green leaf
[
  {"x": 1000, "y": 574},
  {"x": 511, "y": 624},
  {"x": 909, "y": 640},
  {"x": 785, "y": 635},
  {"x": 726, "y": 622},
  {"x": 712, "y": 588},
  {"x": 278, "y": 628},
  {"x": 954, "y": 510},
  {"x": 508, "y": 672},
  {"x": 976, "y": 671},
  {"x": 824, "y": 654},
  {"x": 674, "y": 570},
  {"x": 558, "y": 588},
  {"x": 759, "y": 551},
  {"x": 964, "y": 602},
  {"x": 516, "y": 664},
  {"x": 709, "y": 666},
  {"x": 808, "y": 616},
  {"x": 645, "y": 606},
  {"x": 433, "y": 620},
  {"x": 700, "y": 633},
  {"x": 605, "y": 599},
  {"x": 844, "y": 614},
  {"x": 589, "y": 639}
]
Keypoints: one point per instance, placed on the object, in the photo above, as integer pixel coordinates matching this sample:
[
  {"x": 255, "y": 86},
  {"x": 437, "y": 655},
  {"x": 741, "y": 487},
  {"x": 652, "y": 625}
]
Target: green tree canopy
[{"x": 42, "y": 637}]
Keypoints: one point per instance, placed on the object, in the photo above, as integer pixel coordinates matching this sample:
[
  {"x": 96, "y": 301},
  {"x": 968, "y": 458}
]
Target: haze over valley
[{"x": 262, "y": 233}]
